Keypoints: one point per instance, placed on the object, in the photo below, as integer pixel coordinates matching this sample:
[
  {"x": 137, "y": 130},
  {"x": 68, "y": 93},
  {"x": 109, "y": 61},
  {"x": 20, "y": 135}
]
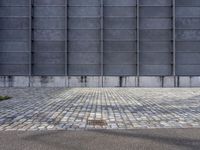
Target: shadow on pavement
[{"x": 183, "y": 139}]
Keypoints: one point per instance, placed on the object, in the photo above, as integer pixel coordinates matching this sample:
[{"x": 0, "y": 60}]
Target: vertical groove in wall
[
  {"x": 102, "y": 42},
  {"x": 66, "y": 38},
  {"x": 174, "y": 40},
  {"x": 138, "y": 41},
  {"x": 30, "y": 37}
]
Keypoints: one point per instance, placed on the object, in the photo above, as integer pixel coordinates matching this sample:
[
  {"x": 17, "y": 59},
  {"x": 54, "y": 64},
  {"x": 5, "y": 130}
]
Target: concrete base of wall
[{"x": 98, "y": 81}]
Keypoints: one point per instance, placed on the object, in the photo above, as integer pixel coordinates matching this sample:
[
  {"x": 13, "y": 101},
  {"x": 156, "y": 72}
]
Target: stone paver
[{"x": 121, "y": 108}]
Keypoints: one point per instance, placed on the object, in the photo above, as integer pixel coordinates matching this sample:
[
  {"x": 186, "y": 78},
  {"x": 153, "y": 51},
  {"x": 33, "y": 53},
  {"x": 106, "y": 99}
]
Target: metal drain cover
[{"x": 97, "y": 122}]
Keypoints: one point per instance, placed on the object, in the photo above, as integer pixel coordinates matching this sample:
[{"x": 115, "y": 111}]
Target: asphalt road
[{"x": 156, "y": 139}]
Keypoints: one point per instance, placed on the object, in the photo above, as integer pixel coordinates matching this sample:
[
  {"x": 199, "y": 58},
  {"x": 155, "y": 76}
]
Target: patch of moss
[{"x": 4, "y": 98}]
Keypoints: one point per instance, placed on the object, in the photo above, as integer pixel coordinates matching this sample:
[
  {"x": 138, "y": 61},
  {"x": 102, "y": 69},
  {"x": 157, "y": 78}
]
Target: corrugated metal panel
[
  {"x": 84, "y": 57},
  {"x": 14, "y": 36},
  {"x": 48, "y": 37},
  {"x": 120, "y": 37},
  {"x": 155, "y": 37},
  {"x": 188, "y": 37}
]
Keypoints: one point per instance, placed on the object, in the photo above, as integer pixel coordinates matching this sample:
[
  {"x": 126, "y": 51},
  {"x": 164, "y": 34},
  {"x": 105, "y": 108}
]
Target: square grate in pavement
[{"x": 97, "y": 122}]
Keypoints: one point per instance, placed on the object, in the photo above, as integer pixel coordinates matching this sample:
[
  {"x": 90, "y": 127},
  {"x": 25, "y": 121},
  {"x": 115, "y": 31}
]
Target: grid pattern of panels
[
  {"x": 100, "y": 37},
  {"x": 156, "y": 37},
  {"x": 120, "y": 37},
  {"x": 188, "y": 37},
  {"x": 14, "y": 37}
]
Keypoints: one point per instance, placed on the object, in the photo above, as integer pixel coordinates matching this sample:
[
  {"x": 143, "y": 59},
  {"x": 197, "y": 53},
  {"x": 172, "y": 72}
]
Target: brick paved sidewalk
[{"x": 89, "y": 108}]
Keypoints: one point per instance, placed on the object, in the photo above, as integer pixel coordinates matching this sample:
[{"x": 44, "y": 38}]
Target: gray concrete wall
[{"x": 98, "y": 81}]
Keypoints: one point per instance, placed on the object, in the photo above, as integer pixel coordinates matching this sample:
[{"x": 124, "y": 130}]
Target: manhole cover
[{"x": 97, "y": 122}]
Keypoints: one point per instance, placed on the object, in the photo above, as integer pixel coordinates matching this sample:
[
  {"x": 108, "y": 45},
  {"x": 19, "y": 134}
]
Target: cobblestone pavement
[{"x": 109, "y": 108}]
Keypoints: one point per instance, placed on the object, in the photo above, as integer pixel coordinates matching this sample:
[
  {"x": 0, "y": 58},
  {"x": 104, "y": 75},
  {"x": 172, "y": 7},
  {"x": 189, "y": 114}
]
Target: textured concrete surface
[
  {"x": 99, "y": 81},
  {"x": 118, "y": 108},
  {"x": 159, "y": 139}
]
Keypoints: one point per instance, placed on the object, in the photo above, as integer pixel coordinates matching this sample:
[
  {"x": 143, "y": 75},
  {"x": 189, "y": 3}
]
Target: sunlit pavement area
[{"x": 41, "y": 109}]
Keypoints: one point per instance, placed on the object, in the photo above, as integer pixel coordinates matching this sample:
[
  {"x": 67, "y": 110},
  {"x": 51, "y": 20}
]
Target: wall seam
[
  {"x": 174, "y": 41},
  {"x": 138, "y": 42},
  {"x": 102, "y": 42},
  {"x": 66, "y": 44},
  {"x": 30, "y": 40}
]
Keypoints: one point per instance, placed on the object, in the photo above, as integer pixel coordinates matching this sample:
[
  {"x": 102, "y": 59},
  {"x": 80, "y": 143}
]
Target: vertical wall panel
[
  {"x": 120, "y": 37},
  {"x": 48, "y": 37},
  {"x": 156, "y": 37},
  {"x": 188, "y": 37},
  {"x": 84, "y": 35},
  {"x": 14, "y": 31}
]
